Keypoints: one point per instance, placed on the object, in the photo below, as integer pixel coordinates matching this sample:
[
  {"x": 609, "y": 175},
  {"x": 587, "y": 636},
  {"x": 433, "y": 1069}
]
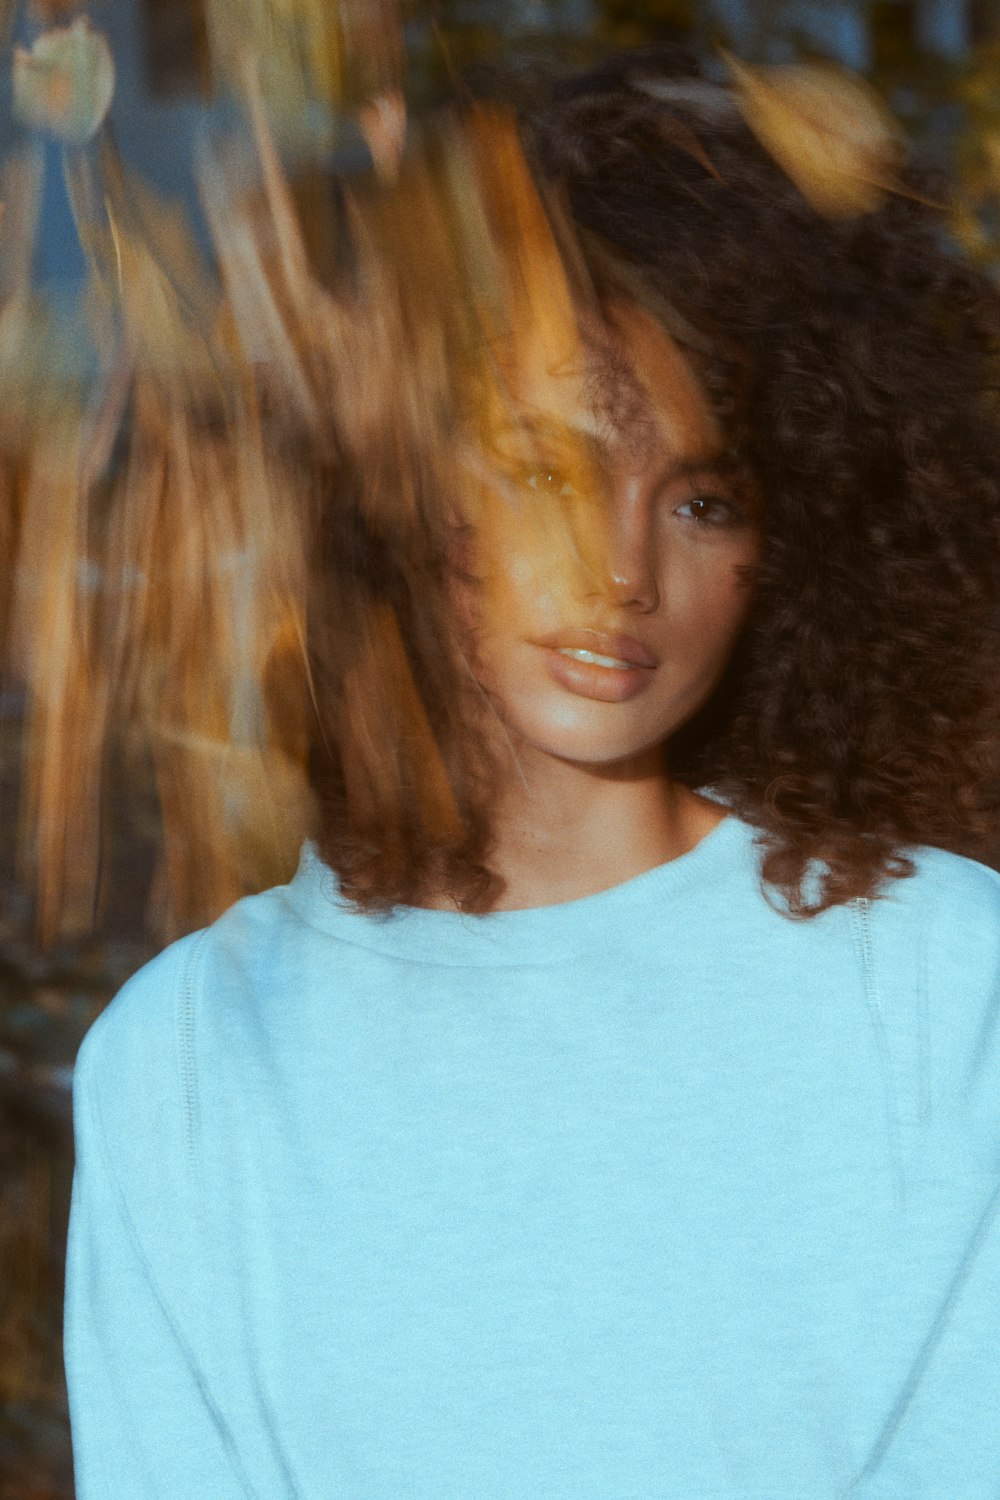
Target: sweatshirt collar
[{"x": 544, "y": 934}]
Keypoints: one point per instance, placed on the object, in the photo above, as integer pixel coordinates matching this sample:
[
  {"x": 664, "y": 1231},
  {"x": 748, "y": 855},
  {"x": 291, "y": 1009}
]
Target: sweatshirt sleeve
[
  {"x": 942, "y": 1436},
  {"x": 143, "y": 1424}
]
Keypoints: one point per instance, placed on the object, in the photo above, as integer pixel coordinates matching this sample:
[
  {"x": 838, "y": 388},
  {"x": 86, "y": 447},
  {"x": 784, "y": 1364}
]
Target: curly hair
[{"x": 853, "y": 364}]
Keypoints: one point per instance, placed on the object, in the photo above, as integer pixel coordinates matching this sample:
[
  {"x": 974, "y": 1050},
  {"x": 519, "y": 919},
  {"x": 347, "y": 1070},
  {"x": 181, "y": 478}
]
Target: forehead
[{"x": 628, "y": 387}]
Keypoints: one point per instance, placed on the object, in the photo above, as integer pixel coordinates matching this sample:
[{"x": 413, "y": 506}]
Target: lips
[{"x": 620, "y": 647}]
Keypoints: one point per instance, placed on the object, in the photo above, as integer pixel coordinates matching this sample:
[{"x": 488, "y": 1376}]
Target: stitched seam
[
  {"x": 185, "y": 1039},
  {"x": 924, "y": 1037},
  {"x": 861, "y": 922}
]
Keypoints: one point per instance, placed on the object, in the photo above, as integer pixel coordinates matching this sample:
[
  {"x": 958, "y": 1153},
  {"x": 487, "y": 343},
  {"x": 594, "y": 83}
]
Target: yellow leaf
[{"x": 826, "y": 128}]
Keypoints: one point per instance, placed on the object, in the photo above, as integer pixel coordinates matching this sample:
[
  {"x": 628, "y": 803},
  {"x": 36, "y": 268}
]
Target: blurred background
[{"x": 937, "y": 62}]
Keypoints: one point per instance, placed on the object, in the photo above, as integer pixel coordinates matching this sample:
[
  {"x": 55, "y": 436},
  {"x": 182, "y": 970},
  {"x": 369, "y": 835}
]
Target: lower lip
[{"x": 606, "y": 684}]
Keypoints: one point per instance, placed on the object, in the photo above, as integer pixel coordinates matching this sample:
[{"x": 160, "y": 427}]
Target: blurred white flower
[{"x": 65, "y": 84}]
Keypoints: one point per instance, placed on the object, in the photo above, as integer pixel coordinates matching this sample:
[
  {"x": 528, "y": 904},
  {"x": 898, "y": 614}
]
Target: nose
[{"x": 631, "y": 560}]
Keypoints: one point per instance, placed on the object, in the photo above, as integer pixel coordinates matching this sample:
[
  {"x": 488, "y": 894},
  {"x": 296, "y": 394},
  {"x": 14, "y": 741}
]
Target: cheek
[
  {"x": 707, "y": 606},
  {"x": 519, "y": 594}
]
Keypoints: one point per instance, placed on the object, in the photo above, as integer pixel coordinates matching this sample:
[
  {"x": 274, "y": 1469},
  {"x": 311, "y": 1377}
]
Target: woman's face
[{"x": 600, "y": 666}]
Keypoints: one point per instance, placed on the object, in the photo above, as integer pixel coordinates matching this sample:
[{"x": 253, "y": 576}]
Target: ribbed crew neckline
[{"x": 537, "y": 934}]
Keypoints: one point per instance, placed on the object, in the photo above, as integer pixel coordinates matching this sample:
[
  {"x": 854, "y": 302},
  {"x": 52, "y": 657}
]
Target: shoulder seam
[
  {"x": 860, "y": 909},
  {"x": 186, "y": 1045}
]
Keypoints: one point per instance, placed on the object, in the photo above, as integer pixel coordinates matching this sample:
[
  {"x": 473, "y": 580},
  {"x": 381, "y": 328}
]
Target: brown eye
[
  {"x": 549, "y": 481},
  {"x": 711, "y": 510}
]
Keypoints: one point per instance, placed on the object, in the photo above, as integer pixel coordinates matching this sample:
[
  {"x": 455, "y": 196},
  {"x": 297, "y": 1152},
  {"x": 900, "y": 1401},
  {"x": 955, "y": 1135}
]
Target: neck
[{"x": 565, "y": 830}]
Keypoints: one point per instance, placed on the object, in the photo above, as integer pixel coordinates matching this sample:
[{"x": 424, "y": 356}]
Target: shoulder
[
  {"x": 945, "y": 926},
  {"x": 943, "y": 921},
  {"x": 133, "y": 1033},
  {"x": 136, "y": 1057},
  {"x": 127, "y": 1082},
  {"x": 953, "y": 902},
  {"x": 953, "y": 874}
]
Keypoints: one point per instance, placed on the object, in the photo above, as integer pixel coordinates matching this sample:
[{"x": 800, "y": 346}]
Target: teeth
[{"x": 591, "y": 656}]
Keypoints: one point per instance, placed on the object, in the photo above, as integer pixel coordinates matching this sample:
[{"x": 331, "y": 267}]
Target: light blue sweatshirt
[{"x": 652, "y": 1195}]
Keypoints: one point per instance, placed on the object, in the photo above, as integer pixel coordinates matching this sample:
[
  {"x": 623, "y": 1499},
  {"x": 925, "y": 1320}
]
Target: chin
[
  {"x": 578, "y": 730},
  {"x": 590, "y": 745}
]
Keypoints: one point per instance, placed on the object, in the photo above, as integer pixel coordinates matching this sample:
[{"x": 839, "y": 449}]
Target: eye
[
  {"x": 711, "y": 510},
  {"x": 549, "y": 481}
]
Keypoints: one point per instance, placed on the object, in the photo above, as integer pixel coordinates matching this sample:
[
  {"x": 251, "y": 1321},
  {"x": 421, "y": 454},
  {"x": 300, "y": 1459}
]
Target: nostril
[{"x": 636, "y": 587}]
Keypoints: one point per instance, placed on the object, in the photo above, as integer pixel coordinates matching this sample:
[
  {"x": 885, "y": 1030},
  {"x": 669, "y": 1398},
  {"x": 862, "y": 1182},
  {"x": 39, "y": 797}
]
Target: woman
[{"x": 609, "y": 1105}]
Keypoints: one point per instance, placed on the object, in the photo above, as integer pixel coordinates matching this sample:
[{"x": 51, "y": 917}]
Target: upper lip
[{"x": 621, "y": 647}]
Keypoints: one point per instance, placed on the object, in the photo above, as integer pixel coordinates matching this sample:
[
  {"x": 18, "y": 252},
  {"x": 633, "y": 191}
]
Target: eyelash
[
  {"x": 567, "y": 489},
  {"x": 735, "y": 516}
]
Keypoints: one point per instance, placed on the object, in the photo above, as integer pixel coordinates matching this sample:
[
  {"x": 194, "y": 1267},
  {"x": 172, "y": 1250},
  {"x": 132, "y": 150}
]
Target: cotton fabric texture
[{"x": 652, "y": 1195}]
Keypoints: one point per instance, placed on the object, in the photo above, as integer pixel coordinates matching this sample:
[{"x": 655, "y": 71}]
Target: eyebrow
[{"x": 718, "y": 462}]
